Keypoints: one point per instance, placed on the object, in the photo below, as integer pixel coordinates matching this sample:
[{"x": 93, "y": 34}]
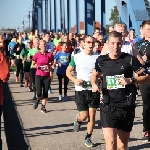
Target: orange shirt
[
  {"x": 2, "y": 43},
  {"x": 4, "y": 74}
]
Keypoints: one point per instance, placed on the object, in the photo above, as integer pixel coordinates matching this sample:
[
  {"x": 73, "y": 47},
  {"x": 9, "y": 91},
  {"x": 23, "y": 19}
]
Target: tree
[
  {"x": 147, "y": 4},
  {"x": 114, "y": 18}
]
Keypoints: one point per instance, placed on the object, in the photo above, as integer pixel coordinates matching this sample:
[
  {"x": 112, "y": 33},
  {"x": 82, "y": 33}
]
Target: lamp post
[
  {"x": 29, "y": 16},
  {"x": 23, "y": 25},
  {"x": 64, "y": 16}
]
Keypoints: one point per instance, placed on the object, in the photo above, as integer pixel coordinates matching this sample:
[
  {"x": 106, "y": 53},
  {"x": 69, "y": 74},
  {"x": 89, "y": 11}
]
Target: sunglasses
[{"x": 89, "y": 42}]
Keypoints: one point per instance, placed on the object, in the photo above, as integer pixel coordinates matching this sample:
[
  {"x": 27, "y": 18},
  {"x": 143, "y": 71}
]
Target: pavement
[{"x": 29, "y": 129}]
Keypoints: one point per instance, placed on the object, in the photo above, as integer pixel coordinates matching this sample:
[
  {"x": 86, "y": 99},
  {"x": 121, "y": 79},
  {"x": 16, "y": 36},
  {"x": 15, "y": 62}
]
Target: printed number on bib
[{"x": 112, "y": 82}]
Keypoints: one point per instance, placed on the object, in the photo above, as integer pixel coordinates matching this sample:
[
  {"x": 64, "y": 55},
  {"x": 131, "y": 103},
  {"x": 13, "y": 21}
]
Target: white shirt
[
  {"x": 125, "y": 49},
  {"x": 84, "y": 66}
]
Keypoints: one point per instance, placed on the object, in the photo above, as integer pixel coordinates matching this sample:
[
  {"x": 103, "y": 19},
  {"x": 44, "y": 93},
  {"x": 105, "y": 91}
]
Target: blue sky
[{"x": 13, "y": 11}]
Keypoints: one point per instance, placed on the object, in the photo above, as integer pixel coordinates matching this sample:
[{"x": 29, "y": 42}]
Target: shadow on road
[{"x": 12, "y": 123}]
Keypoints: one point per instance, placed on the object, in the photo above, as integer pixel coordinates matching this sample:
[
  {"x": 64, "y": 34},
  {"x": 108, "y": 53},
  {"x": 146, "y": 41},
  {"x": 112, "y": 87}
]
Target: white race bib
[{"x": 112, "y": 82}]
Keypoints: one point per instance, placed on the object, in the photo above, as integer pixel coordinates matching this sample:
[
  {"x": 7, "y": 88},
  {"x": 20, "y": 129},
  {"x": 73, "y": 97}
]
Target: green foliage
[
  {"x": 147, "y": 4},
  {"x": 114, "y": 18},
  {"x": 107, "y": 28}
]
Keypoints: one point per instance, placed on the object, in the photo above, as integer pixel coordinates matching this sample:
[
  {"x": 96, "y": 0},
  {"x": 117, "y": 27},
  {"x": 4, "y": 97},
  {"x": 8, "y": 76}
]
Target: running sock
[
  {"x": 88, "y": 136},
  {"x": 79, "y": 122},
  {"x": 43, "y": 105}
]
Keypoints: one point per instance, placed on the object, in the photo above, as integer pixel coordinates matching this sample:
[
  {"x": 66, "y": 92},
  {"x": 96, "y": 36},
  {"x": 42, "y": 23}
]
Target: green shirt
[
  {"x": 72, "y": 62},
  {"x": 56, "y": 42},
  {"x": 24, "y": 54},
  {"x": 32, "y": 52}
]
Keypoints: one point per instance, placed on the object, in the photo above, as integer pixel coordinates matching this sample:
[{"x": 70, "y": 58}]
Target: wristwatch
[{"x": 133, "y": 80}]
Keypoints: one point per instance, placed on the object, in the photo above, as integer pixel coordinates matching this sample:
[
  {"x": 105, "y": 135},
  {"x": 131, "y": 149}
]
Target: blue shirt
[
  {"x": 12, "y": 45},
  {"x": 50, "y": 47},
  {"x": 24, "y": 41},
  {"x": 62, "y": 58},
  {"x": 137, "y": 40}
]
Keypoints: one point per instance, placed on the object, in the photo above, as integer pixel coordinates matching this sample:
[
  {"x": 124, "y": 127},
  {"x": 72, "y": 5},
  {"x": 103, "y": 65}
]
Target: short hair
[
  {"x": 122, "y": 24},
  {"x": 97, "y": 28},
  {"x": 132, "y": 30},
  {"x": 101, "y": 34},
  {"x": 42, "y": 41},
  {"x": 97, "y": 42},
  {"x": 81, "y": 39},
  {"x": 62, "y": 43},
  {"x": 145, "y": 22},
  {"x": 114, "y": 34}
]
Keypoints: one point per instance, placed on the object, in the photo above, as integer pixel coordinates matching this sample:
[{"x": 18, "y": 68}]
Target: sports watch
[{"x": 133, "y": 80}]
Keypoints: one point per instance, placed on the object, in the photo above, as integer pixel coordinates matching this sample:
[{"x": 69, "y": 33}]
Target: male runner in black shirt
[
  {"x": 119, "y": 91},
  {"x": 143, "y": 46}
]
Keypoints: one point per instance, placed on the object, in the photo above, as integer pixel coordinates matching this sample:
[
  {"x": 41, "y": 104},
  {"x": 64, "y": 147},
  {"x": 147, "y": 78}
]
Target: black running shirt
[{"x": 124, "y": 65}]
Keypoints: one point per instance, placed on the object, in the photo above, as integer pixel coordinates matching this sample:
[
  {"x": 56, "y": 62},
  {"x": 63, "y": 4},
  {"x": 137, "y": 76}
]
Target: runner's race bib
[
  {"x": 112, "y": 82},
  {"x": 44, "y": 68}
]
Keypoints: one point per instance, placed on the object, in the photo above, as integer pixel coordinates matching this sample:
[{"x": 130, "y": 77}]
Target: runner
[
  {"x": 62, "y": 58},
  {"x": 119, "y": 92},
  {"x": 96, "y": 33},
  {"x": 140, "y": 37},
  {"x": 31, "y": 53},
  {"x": 17, "y": 51},
  {"x": 80, "y": 48},
  {"x": 143, "y": 46},
  {"x": 50, "y": 49},
  {"x": 25, "y": 39},
  {"x": 11, "y": 50},
  {"x": 126, "y": 47},
  {"x": 96, "y": 47},
  {"x": 86, "y": 103},
  {"x": 27, "y": 63},
  {"x": 41, "y": 61},
  {"x": 1, "y": 42}
]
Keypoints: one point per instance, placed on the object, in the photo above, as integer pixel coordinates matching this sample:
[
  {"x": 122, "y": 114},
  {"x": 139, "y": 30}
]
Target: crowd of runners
[{"x": 107, "y": 70}]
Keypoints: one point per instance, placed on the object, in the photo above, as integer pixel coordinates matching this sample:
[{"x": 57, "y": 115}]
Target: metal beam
[
  {"x": 93, "y": 16},
  {"x": 88, "y": 17},
  {"x": 42, "y": 15},
  {"x": 103, "y": 17},
  {"x": 68, "y": 16},
  {"x": 77, "y": 17},
  {"x": 50, "y": 10},
  {"x": 46, "y": 14},
  {"x": 52, "y": 19},
  {"x": 55, "y": 18},
  {"x": 61, "y": 16},
  {"x": 64, "y": 17}
]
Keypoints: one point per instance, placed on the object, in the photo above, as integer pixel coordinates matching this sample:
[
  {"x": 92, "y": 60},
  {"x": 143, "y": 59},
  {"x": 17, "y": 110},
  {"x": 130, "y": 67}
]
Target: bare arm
[
  {"x": 94, "y": 77},
  {"x": 69, "y": 73},
  {"x": 137, "y": 55},
  {"x": 71, "y": 77},
  {"x": 142, "y": 78},
  {"x": 105, "y": 49},
  {"x": 33, "y": 65}
]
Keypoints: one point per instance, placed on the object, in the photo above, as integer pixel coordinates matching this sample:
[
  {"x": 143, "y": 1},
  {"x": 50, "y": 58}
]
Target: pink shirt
[{"x": 42, "y": 60}]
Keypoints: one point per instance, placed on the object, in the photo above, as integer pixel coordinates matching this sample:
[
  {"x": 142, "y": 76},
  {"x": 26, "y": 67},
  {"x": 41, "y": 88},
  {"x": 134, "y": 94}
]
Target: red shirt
[
  {"x": 101, "y": 47},
  {"x": 69, "y": 48}
]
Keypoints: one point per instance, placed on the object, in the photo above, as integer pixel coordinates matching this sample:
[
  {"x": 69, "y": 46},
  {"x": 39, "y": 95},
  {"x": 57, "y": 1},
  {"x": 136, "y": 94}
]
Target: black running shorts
[
  {"x": 120, "y": 118},
  {"x": 86, "y": 99}
]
